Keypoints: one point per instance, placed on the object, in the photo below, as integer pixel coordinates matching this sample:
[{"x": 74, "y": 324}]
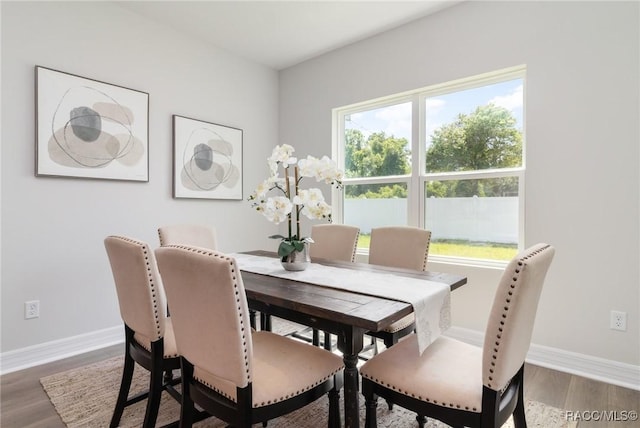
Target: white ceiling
[{"x": 280, "y": 34}]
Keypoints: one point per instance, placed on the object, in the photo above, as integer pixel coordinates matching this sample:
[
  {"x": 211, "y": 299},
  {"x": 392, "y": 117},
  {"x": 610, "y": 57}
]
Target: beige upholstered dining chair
[
  {"x": 402, "y": 247},
  {"x": 149, "y": 339},
  {"x": 196, "y": 235},
  {"x": 461, "y": 384},
  {"x": 334, "y": 242},
  {"x": 232, "y": 372}
]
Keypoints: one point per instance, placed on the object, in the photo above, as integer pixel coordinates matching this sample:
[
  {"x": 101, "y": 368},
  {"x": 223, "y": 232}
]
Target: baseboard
[
  {"x": 613, "y": 372},
  {"x": 36, "y": 355}
]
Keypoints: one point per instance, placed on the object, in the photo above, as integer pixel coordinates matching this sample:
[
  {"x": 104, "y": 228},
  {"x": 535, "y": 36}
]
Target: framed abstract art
[
  {"x": 207, "y": 160},
  {"x": 90, "y": 129}
]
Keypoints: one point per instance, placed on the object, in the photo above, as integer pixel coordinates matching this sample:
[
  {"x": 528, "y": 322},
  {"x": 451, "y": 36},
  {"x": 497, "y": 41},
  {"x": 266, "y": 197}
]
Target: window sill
[{"x": 464, "y": 261}]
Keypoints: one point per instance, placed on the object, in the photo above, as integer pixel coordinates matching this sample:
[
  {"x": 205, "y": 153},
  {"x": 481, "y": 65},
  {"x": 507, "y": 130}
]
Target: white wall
[
  {"x": 582, "y": 133},
  {"x": 53, "y": 228}
]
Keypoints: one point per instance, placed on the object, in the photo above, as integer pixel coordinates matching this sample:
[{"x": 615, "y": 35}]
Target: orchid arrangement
[{"x": 291, "y": 201}]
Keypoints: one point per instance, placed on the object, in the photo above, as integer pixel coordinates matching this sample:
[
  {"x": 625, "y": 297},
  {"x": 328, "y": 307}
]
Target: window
[{"x": 447, "y": 158}]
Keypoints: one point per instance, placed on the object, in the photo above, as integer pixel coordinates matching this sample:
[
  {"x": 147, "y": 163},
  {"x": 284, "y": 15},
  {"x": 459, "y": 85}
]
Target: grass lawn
[{"x": 468, "y": 249}]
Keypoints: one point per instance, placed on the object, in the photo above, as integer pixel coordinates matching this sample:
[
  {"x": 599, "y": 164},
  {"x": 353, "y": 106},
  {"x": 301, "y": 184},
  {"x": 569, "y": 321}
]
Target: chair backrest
[
  {"x": 209, "y": 311},
  {"x": 141, "y": 296},
  {"x": 508, "y": 334},
  {"x": 334, "y": 241},
  {"x": 400, "y": 246},
  {"x": 195, "y": 235}
]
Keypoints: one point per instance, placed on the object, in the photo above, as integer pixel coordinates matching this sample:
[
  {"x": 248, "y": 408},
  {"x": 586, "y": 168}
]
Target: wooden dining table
[{"x": 346, "y": 314}]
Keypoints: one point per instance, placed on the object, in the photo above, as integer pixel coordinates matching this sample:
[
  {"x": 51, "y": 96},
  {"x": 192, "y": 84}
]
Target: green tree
[
  {"x": 378, "y": 155},
  {"x": 387, "y": 192},
  {"x": 485, "y": 139}
]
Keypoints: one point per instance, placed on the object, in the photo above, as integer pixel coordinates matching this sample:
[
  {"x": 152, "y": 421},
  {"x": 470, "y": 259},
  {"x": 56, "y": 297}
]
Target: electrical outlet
[
  {"x": 31, "y": 309},
  {"x": 618, "y": 320}
]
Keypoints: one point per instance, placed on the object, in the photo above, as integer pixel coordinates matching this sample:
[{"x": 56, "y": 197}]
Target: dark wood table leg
[{"x": 350, "y": 344}]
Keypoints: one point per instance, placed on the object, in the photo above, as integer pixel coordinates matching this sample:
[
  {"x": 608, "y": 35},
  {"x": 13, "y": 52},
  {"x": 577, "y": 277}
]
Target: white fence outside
[{"x": 474, "y": 219}]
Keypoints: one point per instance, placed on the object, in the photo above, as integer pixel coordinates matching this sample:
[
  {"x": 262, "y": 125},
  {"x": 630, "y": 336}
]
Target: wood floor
[{"x": 25, "y": 404}]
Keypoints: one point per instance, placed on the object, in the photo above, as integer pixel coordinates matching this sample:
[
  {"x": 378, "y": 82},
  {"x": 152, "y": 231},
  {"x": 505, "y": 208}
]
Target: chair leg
[
  {"x": 421, "y": 421},
  {"x": 371, "y": 406},
  {"x": 334, "y": 408},
  {"x": 125, "y": 384},
  {"x": 187, "y": 406},
  {"x": 153, "y": 402},
  {"x": 316, "y": 338},
  {"x": 519, "y": 419},
  {"x": 388, "y": 343},
  {"x": 155, "y": 385}
]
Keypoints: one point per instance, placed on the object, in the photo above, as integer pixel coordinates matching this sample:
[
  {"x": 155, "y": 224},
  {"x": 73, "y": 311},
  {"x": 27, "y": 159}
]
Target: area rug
[{"x": 85, "y": 397}]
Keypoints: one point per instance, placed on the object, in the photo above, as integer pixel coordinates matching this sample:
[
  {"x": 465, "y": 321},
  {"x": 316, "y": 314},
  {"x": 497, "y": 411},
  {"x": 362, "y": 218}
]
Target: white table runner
[{"x": 430, "y": 300}]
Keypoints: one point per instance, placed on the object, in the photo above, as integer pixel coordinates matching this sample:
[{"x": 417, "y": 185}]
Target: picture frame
[
  {"x": 207, "y": 160},
  {"x": 86, "y": 128}
]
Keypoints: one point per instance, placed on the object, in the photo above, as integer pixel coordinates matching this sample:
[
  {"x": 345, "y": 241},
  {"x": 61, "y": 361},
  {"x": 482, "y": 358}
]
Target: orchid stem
[
  {"x": 288, "y": 193},
  {"x": 295, "y": 171}
]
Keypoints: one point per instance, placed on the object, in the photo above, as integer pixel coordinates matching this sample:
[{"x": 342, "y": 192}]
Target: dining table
[{"x": 347, "y": 314}]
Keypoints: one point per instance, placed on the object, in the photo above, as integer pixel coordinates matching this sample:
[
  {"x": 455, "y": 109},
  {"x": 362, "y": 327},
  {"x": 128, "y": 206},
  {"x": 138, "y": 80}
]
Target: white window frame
[{"x": 416, "y": 181}]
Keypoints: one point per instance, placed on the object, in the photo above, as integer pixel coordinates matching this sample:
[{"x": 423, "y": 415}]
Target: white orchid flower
[
  {"x": 321, "y": 169},
  {"x": 268, "y": 184},
  {"x": 328, "y": 171},
  {"x": 308, "y": 196},
  {"x": 308, "y": 167},
  {"x": 262, "y": 189},
  {"x": 281, "y": 154},
  {"x": 313, "y": 204},
  {"x": 317, "y": 210},
  {"x": 276, "y": 209}
]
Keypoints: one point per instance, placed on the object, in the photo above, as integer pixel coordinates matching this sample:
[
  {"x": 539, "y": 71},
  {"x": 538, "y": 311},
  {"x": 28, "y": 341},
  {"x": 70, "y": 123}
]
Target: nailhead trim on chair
[
  {"x": 148, "y": 348},
  {"x": 512, "y": 286},
  {"x": 426, "y": 253},
  {"x": 419, "y": 397},
  {"x": 399, "y": 326},
  {"x": 355, "y": 247},
  {"x": 286, "y": 397},
  {"x": 160, "y": 238},
  {"x": 277, "y": 400},
  {"x": 145, "y": 250},
  {"x": 213, "y": 388},
  {"x": 245, "y": 351}
]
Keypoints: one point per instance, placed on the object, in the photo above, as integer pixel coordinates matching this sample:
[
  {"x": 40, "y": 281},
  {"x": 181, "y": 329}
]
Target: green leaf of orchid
[{"x": 285, "y": 249}]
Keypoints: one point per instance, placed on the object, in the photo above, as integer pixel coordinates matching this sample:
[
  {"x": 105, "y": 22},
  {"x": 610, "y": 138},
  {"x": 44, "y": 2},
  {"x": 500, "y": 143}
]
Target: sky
[{"x": 442, "y": 109}]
